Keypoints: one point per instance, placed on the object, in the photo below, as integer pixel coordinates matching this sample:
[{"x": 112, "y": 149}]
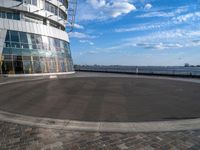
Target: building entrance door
[{"x": 18, "y": 65}]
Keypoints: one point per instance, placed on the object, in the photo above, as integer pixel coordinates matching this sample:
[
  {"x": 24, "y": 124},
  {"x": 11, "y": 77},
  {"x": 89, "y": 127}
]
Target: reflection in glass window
[
  {"x": 45, "y": 41},
  {"x": 23, "y": 40},
  {"x": 10, "y": 15},
  {"x": 7, "y": 40},
  {"x": 33, "y": 41},
  {"x": 7, "y": 67},
  {"x": 51, "y": 8},
  {"x": 15, "y": 39},
  {"x": 33, "y": 53}
]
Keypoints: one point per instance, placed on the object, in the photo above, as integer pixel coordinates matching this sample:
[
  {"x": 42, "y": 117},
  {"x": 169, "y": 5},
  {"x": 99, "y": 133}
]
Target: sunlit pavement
[{"x": 18, "y": 136}]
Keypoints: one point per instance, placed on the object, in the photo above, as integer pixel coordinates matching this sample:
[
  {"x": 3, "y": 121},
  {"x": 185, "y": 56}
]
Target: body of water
[{"x": 175, "y": 70}]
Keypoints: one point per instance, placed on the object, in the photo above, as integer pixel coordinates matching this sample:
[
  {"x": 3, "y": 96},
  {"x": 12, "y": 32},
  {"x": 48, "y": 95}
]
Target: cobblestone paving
[{"x": 19, "y": 137}]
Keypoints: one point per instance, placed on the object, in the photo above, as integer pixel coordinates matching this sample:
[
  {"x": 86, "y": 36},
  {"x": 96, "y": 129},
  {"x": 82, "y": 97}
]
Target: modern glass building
[{"x": 33, "y": 37}]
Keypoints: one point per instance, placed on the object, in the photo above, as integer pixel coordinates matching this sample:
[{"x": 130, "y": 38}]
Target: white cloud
[
  {"x": 168, "y": 39},
  {"x": 157, "y": 14},
  {"x": 118, "y": 8},
  {"x": 104, "y": 9},
  {"x": 160, "y": 46},
  {"x": 148, "y": 6},
  {"x": 92, "y": 52},
  {"x": 78, "y": 26},
  {"x": 142, "y": 27},
  {"x": 187, "y": 17},
  {"x": 161, "y": 40},
  {"x": 97, "y": 3},
  {"x": 86, "y": 41},
  {"x": 162, "y": 13},
  {"x": 80, "y": 35}
]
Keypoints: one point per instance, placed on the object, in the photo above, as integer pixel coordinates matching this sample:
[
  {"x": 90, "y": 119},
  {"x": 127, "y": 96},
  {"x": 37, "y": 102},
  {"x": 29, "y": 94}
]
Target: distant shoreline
[{"x": 172, "y": 71}]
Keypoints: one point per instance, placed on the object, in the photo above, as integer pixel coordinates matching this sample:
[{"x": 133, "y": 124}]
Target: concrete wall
[
  {"x": 18, "y": 25},
  {"x": 39, "y": 10}
]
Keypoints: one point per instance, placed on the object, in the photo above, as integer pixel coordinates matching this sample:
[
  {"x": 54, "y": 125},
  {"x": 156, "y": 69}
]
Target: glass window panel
[
  {"x": 14, "y": 36},
  {"x": 9, "y": 15},
  {"x": 51, "y": 43},
  {"x": 24, "y": 40},
  {"x": 3, "y": 15},
  {"x": 35, "y": 58},
  {"x": 15, "y": 45},
  {"x": 62, "y": 14},
  {"x": 37, "y": 67},
  {"x": 18, "y": 66},
  {"x": 7, "y": 44},
  {"x": 7, "y": 51},
  {"x": 15, "y": 39},
  {"x": 62, "y": 44},
  {"x": 23, "y": 37},
  {"x": 16, "y": 16},
  {"x": 16, "y": 51},
  {"x": 27, "y": 66},
  {"x": 26, "y": 52},
  {"x": 45, "y": 42},
  {"x": 29, "y": 40},
  {"x": 7, "y": 67},
  {"x": 34, "y": 2},
  {"x": 51, "y": 8},
  {"x": 38, "y": 40},
  {"x": 33, "y": 41},
  {"x": 7, "y": 36},
  {"x": 27, "y": 1},
  {"x": 7, "y": 57}
]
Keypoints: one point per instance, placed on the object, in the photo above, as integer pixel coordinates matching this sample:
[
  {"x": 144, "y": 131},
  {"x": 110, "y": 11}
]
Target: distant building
[{"x": 33, "y": 37}]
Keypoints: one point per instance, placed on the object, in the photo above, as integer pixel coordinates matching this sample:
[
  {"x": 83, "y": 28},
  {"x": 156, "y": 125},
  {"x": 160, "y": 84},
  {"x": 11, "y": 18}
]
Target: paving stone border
[{"x": 22, "y": 137}]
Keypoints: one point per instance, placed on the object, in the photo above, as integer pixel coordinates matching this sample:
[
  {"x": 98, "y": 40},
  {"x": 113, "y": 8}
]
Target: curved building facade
[{"x": 33, "y": 39}]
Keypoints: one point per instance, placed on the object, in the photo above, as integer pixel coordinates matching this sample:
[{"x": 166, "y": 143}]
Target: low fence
[{"x": 161, "y": 71}]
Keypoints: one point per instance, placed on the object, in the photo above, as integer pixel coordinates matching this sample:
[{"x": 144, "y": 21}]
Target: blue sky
[{"x": 136, "y": 32}]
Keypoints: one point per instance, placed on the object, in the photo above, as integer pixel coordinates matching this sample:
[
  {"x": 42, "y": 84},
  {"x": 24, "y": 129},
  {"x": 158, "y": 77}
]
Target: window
[
  {"x": 3, "y": 14},
  {"x": 7, "y": 40},
  {"x": 33, "y": 41},
  {"x": 16, "y": 16},
  {"x": 15, "y": 39},
  {"x": 7, "y": 36},
  {"x": 23, "y": 40},
  {"x": 33, "y": 53},
  {"x": 38, "y": 40},
  {"x": 62, "y": 14},
  {"x": 32, "y": 2},
  {"x": 10, "y": 15},
  {"x": 51, "y": 8}
]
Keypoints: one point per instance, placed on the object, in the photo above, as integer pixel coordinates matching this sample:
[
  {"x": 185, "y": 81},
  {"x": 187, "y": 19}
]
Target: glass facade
[{"x": 27, "y": 53}]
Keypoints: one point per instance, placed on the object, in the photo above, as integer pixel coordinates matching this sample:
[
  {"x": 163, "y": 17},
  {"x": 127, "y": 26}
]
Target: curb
[{"x": 124, "y": 127}]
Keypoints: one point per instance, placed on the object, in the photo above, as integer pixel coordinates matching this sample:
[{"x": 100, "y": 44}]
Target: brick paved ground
[{"x": 14, "y": 136}]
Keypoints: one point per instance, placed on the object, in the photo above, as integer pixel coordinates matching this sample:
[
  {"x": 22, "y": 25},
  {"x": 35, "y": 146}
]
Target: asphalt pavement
[{"x": 109, "y": 99}]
